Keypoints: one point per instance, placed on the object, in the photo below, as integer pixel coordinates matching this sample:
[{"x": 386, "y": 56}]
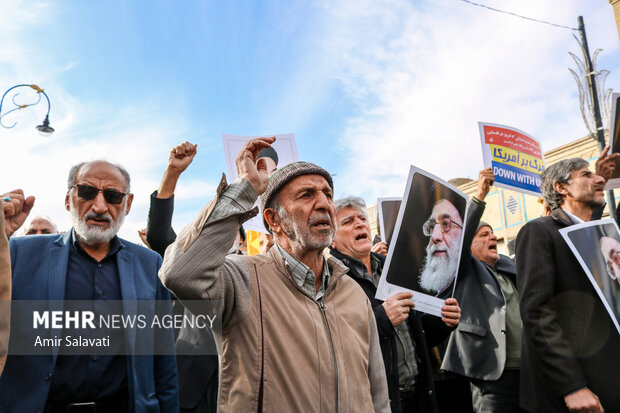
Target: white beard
[
  {"x": 438, "y": 272},
  {"x": 95, "y": 234},
  {"x": 298, "y": 235}
]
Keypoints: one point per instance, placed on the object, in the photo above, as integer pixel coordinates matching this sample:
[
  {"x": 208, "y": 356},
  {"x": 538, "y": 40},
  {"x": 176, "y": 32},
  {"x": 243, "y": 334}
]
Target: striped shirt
[{"x": 303, "y": 275}]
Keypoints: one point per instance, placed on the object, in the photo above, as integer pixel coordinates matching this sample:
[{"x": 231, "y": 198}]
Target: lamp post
[{"x": 44, "y": 129}]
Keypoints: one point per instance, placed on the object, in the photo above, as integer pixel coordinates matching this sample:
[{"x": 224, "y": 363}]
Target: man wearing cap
[
  {"x": 297, "y": 335},
  {"x": 486, "y": 346}
]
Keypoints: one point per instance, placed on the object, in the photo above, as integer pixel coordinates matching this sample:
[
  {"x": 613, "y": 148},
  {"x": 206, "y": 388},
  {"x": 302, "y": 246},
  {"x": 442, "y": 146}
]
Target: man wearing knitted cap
[
  {"x": 297, "y": 335},
  {"x": 486, "y": 346}
]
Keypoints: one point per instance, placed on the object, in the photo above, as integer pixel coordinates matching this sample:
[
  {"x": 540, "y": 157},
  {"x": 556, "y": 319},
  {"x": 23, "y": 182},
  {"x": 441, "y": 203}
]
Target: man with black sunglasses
[{"x": 91, "y": 264}]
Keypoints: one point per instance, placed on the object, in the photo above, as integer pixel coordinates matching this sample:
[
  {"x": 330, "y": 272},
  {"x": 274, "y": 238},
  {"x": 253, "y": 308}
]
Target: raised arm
[
  {"x": 5, "y": 293},
  {"x": 159, "y": 232},
  {"x": 605, "y": 167},
  {"x": 16, "y": 208},
  {"x": 474, "y": 214},
  {"x": 195, "y": 266}
]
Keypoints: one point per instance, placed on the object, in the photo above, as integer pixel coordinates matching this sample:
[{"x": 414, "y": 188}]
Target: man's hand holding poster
[{"x": 425, "y": 249}]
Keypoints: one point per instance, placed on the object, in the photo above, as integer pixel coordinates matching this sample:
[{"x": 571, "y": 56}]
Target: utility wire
[{"x": 518, "y": 15}]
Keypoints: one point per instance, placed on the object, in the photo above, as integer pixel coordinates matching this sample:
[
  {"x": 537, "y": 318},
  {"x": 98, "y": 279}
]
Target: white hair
[{"x": 45, "y": 218}]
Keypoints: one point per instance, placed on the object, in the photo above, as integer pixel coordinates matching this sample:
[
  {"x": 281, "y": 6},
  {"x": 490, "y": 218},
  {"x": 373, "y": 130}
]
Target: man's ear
[
  {"x": 129, "y": 202},
  {"x": 273, "y": 219},
  {"x": 560, "y": 188},
  {"x": 67, "y": 202}
]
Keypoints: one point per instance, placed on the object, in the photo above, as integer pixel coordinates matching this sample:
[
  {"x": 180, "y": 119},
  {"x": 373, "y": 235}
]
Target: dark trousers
[
  {"x": 208, "y": 401},
  {"x": 412, "y": 401},
  {"x": 497, "y": 396},
  {"x": 116, "y": 403}
]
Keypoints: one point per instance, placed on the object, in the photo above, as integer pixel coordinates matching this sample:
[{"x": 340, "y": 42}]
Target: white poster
[
  {"x": 286, "y": 150},
  {"x": 596, "y": 245},
  {"x": 425, "y": 251}
]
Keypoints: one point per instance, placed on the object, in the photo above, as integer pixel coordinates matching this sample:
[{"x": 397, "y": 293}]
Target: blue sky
[{"x": 368, "y": 87}]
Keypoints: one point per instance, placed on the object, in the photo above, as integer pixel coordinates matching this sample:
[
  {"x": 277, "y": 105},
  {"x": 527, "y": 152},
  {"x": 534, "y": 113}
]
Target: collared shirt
[
  {"x": 239, "y": 197},
  {"x": 514, "y": 325},
  {"x": 303, "y": 275},
  {"x": 575, "y": 219},
  {"x": 89, "y": 378},
  {"x": 407, "y": 359}
]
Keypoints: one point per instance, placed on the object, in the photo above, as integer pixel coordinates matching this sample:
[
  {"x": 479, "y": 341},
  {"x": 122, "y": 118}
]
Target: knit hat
[
  {"x": 483, "y": 224},
  {"x": 283, "y": 176}
]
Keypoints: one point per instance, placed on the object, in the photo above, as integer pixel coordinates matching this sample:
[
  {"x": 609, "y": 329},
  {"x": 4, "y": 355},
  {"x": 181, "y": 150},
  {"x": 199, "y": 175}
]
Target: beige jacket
[{"x": 281, "y": 350}]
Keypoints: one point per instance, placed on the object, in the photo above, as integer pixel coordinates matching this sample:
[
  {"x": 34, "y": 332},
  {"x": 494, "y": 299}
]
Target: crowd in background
[{"x": 301, "y": 327}]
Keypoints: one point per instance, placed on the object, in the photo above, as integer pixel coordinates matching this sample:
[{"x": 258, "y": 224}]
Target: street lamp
[{"x": 44, "y": 129}]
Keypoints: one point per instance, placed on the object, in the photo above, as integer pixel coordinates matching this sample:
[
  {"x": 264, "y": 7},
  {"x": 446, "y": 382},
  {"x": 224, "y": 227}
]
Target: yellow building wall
[
  {"x": 373, "y": 218},
  {"x": 616, "y": 5}
]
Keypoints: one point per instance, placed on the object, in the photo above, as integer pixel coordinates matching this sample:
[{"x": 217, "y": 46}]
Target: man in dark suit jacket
[
  {"x": 198, "y": 369},
  {"x": 404, "y": 335},
  {"x": 570, "y": 352},
  {"x": 91, "y": 263},
  {"x": 486, "y": 346}
]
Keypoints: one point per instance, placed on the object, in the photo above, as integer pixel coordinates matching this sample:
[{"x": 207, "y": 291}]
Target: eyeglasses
[
  {"x": 89, "y": 193},
  {"x": 446, "y": 226}
]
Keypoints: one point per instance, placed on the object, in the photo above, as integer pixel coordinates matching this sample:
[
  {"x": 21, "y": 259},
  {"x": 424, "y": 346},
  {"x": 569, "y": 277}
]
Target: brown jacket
[{"x": 280, "y": 349}]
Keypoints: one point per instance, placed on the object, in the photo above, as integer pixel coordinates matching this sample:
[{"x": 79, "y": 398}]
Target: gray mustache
[
  {"x": 101, "y": 217},
  {"x": 320, "y": 217}
]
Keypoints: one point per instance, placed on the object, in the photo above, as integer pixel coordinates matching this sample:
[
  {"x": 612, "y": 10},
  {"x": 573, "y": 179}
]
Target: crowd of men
[{"x": 301, "y": 329}]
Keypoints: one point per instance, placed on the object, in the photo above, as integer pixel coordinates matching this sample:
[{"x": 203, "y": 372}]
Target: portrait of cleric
[
  {"x": 598, "y": 247},
  {"x": 427, "y": 244}
]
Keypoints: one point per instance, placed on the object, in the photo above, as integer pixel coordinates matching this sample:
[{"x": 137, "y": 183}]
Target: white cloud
[
  {"x": 420, "y": 73},
  {"x": 423, "y": 77},
  {"x": 134, "y": 135}
]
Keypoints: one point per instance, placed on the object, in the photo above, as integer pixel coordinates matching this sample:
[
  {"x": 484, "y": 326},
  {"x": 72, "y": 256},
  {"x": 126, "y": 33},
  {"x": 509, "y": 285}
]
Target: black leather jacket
[{"x": 426, "y": 331}]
